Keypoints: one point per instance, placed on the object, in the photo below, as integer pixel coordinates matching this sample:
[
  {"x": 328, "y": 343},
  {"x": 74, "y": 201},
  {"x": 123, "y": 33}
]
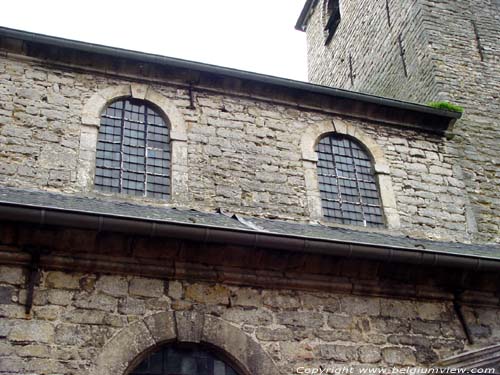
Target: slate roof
[{"x": 222, "y": 220}]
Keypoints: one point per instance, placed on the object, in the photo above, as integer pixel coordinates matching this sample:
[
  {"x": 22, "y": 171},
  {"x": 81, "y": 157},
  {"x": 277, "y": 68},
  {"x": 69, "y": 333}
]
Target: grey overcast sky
[{"x": 253, "y": 35}]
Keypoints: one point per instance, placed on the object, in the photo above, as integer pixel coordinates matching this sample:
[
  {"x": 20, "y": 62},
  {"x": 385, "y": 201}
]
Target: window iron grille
[
  {"x": 177, "y": 360},
  {"x": 347, "y": 183},
  {"x": 133, "y": 151}
]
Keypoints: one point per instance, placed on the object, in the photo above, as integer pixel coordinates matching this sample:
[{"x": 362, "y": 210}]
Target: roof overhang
[
  {"x": 49, "y": 209},
  {"x": 300, "y": 94}
]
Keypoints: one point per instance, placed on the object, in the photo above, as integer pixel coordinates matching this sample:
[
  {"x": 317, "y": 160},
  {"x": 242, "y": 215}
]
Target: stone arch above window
[
  {"x": 91, "y": 120},
  {"x": 132, "y": 344},
  {"x": 309, "y": 142}
]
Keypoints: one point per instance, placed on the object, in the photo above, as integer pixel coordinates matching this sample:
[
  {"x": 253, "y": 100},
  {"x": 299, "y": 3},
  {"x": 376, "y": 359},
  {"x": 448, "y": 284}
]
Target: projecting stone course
[{"x": 326, "y": 329}]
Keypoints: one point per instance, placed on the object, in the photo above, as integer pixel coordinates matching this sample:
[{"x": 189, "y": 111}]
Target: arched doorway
[
  {"x": 184, "y": 359},
  {"x": 128, "y": 347}
]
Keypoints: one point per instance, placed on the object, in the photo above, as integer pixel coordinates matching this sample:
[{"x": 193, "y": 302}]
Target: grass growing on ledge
[{"x": 447, "y": 106}]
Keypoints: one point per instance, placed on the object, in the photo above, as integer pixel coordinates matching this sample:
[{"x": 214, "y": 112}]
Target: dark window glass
[
  {"x": 177, "y": 360},
  {"x": 133, "y": 151},
  {"x": 332, "y": 10},
  {"x": 347, "y": 184}
]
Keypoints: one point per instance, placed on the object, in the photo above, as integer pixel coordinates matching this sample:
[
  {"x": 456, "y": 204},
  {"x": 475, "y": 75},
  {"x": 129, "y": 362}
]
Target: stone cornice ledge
[{"x": 239, "y": 276}]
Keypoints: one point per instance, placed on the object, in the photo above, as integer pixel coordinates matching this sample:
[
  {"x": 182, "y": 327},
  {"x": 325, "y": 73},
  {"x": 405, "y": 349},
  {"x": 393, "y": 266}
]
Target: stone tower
[{"x": 422, "y": 51}]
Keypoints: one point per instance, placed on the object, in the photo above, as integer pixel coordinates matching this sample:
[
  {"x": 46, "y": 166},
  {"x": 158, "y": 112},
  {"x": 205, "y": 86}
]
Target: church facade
[{"x": 160, "y": 216}]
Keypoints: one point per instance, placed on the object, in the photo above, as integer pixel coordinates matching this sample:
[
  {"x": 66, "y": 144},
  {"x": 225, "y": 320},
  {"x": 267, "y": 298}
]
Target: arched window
[
  {"x": 133, "y": 150},
  {"x": 183, "y": 360},
  {"x": 347, "y": 183}
]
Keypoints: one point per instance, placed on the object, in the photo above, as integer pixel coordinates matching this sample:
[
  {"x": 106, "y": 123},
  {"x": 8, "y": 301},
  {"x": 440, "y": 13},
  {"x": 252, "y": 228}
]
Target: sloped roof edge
[
  {"x": 45, "y": 208},
  {"x": 447, "y": 117}
]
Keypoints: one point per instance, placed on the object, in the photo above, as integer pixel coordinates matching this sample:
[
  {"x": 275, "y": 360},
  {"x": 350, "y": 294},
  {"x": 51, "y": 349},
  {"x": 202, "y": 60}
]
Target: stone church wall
[
  {"x": 94, "y": 288},
  {"x": 449, "y": 50},
  {"x": 75, "y": 315},
  {"x": 243, "y": 154}
]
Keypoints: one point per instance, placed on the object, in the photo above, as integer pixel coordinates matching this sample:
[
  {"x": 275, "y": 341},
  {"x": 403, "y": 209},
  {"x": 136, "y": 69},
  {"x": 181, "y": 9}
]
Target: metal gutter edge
[
  {"x": 234, "y": 73},
  {"x": 204, "y": 233}
]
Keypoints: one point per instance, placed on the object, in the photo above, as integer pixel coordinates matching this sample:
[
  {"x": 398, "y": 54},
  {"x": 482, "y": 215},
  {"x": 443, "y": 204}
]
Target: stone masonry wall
[
  {"x": 371, "y": 37},
  {"x": 451, "y": 53},
  {"x": 466, "y": 59},
  {"x": 243, "y": 154},
  {"x": 75, "y": 315}
]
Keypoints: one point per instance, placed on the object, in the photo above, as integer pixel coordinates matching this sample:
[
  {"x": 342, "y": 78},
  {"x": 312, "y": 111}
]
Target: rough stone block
[
  {"x": 85, "y": 316},
  {"x": 96, "y": 301},
  {"x": 62, "y": 280},
  {"x": 410, "y": 340},
  {"x": 431, "y": 311},
  {"x": 369, "y": 354},
  {"x": 15, "y": 363},
  {"x": 340, "y": 321},
  {"x": 146, "y": 287},
  {"x": 246, "y": 297},
  {"x": 251, "y": 317},
  {"x": 6, "y": 349},
  {"x": 352, "y": 305},
  {"x": 11, "y": 275},
  {"x": 80, "y": 335},
  {"x": 280, "y": 300},
  {"x": 47, "y": 312},
  {"x": 339, "y": 353},
  {"x": 300, "y": 319},
  {"x": 210, "y": 294},
  {"x": 162, "y": 326},
  {"x": 59, "y": 297},
  {"x": 278, "y": 334},
  {"x": 425, "y": 355},
  {"x": 6, "y": 293},
  {"x": 297, "y": 352},
  {"x": 398, "y": 309},
  {"x": 388, "y": 325},
  {"x": 5, "y": 327},
  {"x": 116, "y": 286},
  {"x": 157, "y": 304},
  {"x": 426, "y": 328},
  {"x": 175, "y": 289},
  {"x": 310, "y": 301},
  {"x": 33, "y": 350},
  {"x": 12, "y": 311},
  {"x": 131, "y": 306},
  {"x": 36, "y": 331},
  {"x": 189, "y": 326},
  {"x": 398, "y": 356}
]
